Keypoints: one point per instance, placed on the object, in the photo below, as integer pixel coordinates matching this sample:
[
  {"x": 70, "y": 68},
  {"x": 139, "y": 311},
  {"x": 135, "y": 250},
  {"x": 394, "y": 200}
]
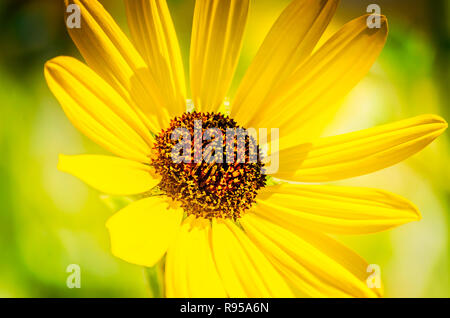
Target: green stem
[{"x": 155, "y": 278}]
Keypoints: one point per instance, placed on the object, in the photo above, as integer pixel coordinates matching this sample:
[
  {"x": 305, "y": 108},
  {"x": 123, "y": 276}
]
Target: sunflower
[{"x": 228, "y": 229}]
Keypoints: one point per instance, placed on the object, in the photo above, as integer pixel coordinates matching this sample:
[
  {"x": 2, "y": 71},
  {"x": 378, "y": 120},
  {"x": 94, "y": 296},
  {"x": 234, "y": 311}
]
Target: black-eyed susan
[{"x": 223, "y": 228}]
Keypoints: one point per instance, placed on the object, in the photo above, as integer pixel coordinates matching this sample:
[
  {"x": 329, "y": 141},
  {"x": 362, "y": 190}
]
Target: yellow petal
[
  {"x": 217, "y": 34},
  {"x": 316, "y": 264},
  {"x": 141, "y": 233},
  {"x": 96, "y": 109},
  {"x": 190, "y": 268},
  {"x": 110, "y": 175},
  {"x": 358, "y": 153},
  {"x": 108, "y": 52},
  {"x": 154, "y": 37},
  {"x": 332, "y": 209},
  {"x": 288, "y": 44},
  {"x": 244, "y": 269},
  {"x": 305, "y": 101}
]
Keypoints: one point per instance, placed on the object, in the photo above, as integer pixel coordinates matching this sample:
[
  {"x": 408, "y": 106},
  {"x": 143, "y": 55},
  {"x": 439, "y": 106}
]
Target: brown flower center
[{"x": 209, "y": 164}]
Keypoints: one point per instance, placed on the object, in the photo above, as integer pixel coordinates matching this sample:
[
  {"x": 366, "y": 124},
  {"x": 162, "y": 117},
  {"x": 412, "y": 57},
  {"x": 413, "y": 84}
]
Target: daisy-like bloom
[{"x": 222, "y": 229}]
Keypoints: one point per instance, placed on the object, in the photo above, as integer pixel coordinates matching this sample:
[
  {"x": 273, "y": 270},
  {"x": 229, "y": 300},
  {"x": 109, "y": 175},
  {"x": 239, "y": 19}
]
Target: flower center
[{"x": 209, "y": 164}]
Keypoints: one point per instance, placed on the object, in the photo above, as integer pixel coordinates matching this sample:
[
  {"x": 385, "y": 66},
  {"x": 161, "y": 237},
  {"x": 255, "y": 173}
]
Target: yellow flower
[{"x": 271, "y": 240}]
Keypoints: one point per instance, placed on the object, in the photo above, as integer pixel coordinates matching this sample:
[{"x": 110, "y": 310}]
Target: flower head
[{"x": 224, "y": 228}]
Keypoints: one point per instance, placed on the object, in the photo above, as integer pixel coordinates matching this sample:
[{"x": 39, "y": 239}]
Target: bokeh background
[{"x": 49, "y": 220}]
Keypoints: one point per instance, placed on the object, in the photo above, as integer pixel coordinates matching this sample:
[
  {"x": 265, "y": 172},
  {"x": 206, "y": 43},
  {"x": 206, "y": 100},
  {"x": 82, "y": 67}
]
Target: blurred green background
[{"x": 49, "y": 220}]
